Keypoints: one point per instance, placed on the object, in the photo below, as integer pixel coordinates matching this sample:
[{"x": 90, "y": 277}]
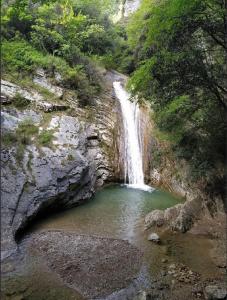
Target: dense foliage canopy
[
  {"x": 65, "y": 35},
  {"x": 174, "y": 50},
  {"x": 180, "y": 66}
]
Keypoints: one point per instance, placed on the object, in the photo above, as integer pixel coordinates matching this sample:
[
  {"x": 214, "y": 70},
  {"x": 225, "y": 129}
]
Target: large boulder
[{"x": 180, "y": 217}]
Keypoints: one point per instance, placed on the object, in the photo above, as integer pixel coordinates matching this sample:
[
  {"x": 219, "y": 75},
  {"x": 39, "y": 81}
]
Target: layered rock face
[{"x": 72, "y": 153}]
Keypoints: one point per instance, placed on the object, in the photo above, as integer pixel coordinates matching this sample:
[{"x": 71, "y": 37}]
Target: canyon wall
[{"x": 55, "y": 153}]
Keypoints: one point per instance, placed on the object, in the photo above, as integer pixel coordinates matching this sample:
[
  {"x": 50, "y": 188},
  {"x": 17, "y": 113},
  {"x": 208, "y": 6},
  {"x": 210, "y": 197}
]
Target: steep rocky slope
[
  {"x": 55, "y": 153},
  {"x": 202, "y": 200}
]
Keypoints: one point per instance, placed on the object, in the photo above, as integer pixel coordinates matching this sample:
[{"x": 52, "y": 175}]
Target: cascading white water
[
  {"x": 131, "y": 6},
  {"x": 133, "y": 157}
]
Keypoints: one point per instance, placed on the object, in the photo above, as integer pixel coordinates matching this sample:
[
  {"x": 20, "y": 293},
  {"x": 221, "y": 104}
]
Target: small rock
[
  {"x": 153, "y": 237},
  {"x": 172, "y": 266},
  {"x": 164, "y": 260},
  {"x": 214, "y": 292}
]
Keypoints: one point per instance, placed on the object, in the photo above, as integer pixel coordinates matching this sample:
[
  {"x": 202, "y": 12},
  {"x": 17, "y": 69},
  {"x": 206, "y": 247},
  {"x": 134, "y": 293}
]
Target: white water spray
[{"x": 133, "y": 157}]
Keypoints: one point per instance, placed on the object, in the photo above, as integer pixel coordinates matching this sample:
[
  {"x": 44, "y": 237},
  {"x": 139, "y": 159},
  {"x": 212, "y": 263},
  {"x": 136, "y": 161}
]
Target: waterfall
[
  {"x": 131, "y": 6},
  {"x": 133, "y": 156},
  {"x": 125, "y": 9}
]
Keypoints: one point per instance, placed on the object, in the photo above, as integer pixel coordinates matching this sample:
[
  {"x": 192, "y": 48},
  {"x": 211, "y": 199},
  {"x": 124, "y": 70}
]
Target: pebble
[
  {"x": 172, "y": 266},
  {"x": 153, "y": 237}
]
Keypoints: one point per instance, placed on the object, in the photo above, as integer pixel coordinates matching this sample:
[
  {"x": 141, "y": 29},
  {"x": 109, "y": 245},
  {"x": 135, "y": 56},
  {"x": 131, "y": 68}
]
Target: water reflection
[{"x": 115, "y": 211}]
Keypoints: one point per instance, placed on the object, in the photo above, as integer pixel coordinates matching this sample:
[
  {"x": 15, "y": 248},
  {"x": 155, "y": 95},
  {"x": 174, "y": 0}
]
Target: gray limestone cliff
[{"x": 63, "y": 154}]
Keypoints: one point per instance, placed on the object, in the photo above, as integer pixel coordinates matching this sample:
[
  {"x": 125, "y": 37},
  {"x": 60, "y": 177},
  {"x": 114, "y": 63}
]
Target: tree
[{"x": 179, "y": 57}]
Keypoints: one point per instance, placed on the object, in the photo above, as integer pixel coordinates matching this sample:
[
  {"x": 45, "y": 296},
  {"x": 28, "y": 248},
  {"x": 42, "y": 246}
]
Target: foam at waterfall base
[{"x": 142, "y": 187}]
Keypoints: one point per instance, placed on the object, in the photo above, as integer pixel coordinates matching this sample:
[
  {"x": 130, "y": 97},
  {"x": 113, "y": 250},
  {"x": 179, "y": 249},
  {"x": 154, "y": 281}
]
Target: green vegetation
[
  {"x": 20, "y": 102},
  {"x": 20, "y": 138},
  {"x": 68, "y": 36},
  {"x": 174, "y": 50},
  {"x": 179, "y": 55},
  {"x": 26, "y": 134},
  {"x": 8, "y": 139},
  {"x": 25, "y": 131},
  {"x": 45, "y": 138}
]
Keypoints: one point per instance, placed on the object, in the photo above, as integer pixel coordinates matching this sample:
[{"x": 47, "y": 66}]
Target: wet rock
[
  {"x": 215, "y": 292},
  {"x": 154, "y": 237}
]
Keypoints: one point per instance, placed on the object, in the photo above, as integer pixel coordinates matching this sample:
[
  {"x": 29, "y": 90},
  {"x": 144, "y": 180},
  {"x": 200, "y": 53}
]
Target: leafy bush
[
  {"x": 19, "y": 55},
  {"x": 179, "y": 51}
]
